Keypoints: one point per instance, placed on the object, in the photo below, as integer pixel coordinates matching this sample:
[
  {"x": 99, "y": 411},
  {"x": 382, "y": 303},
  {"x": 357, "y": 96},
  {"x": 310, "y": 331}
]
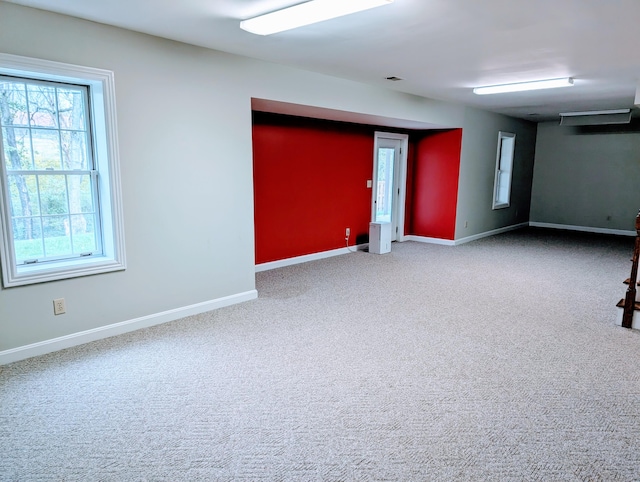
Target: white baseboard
[
  {"x": 281, "y": 263},
  {"x": 425, "y": 239},
  {"x": 445, "y": 242},
  {"x": 80, "y": 338},
  {"x": 493, "y": 232},
  {"x": 586, "y": 229}
]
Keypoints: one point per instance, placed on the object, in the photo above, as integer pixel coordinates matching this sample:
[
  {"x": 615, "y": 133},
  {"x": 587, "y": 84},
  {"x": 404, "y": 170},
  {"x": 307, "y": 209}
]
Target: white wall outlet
[
  {"x": 59, "y": 306},
  {"x": 466, "y": 224},
  {"x": 369, "y": 183},
  {"x": 347, "y": 232}
]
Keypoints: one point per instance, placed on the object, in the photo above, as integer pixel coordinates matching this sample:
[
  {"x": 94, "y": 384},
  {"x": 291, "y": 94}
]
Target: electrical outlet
[
  {"x": 347, "y": 232},
  {"x": 59, "y": 306},
  {"x": 466, "y": 224}
]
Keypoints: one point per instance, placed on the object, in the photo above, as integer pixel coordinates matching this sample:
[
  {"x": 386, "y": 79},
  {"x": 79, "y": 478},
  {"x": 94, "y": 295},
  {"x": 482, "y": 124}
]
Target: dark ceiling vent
[{"x": 393, "y": 78}]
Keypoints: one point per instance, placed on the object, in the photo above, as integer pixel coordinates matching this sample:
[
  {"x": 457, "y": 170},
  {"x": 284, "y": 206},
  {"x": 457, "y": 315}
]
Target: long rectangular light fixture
[
  {"x": 306, "y": 14},
  {"x": 595, "y": 112},
  {"x": 595, "y": 117},
  {"x": 523, "y": 86}
]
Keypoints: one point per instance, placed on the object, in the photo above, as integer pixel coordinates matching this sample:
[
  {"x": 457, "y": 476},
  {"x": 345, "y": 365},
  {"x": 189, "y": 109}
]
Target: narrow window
[
  {"x": 60, "y": 205},
  {"x": 504, "y": 167}
]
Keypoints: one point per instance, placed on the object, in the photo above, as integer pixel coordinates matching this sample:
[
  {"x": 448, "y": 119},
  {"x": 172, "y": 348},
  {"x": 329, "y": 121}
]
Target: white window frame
[
  {"x": 101, "y": 99},
  {"x": 504, "y": 165}
]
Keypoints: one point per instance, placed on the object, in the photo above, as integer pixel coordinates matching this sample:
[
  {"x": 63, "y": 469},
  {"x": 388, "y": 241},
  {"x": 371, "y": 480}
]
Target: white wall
[
  {"x": 184, "y": 126},
  {"x": 587, "y": 177},
  {"x": 185, "y": 149}
]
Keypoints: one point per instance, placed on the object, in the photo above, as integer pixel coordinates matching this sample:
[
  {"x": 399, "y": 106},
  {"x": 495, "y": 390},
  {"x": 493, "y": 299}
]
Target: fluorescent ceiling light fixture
[
  {"x": 522, "y": 86},
  {"x": 595, "y": 117},
  {"x": 306, "y": 14},
  {"x": 595, "y": 112}
]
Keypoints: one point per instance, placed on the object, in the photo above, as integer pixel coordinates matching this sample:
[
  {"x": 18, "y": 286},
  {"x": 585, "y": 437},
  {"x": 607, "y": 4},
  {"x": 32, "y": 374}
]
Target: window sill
[{"x": 31, "y": 274}]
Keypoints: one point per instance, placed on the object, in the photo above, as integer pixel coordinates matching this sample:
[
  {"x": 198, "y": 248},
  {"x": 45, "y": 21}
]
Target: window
[
  {"x": 59, "y": 196},
  {"x": 504, "y": 167}
]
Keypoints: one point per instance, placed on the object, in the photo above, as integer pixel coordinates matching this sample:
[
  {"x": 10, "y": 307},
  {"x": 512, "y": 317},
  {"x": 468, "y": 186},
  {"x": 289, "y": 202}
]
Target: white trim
[
  {"x": 281, "y": 263},
  {"x": 101, "y": 95},
  {"x": 425, "y": 239},
  {"x": 82, "y": 337},
  {"x": 585, "y": 229},
  {"x": 402, "y": 181},
  {"x": 493, "y": 232},
  {"x": 468, "y": 239}
]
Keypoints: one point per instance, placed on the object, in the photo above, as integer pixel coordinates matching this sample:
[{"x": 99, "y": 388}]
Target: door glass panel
[{"x": 384, "y": 199}]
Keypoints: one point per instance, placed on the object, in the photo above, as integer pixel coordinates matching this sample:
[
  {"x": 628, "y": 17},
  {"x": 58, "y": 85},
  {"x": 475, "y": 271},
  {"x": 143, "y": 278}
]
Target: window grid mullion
[
  {"x": 40, "y": 172},
  {"x": 28, "y": 126},
  {"x": 44, "y": 246},
  {"x": 66, "y": 183},
  {"x": 61, "y": 156}
]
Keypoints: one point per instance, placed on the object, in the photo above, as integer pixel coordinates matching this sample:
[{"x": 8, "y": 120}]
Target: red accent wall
[
  {"x": 310, "y": 183},
  {"x": 433, "y": 177},
  {"x": 408, "y": 202}
]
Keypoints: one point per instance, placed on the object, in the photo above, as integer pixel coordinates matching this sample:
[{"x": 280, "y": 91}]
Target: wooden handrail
[{"x": 630, "y": 298}]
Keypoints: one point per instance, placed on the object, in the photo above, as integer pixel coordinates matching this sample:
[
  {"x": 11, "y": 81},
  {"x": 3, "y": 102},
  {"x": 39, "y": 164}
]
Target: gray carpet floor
[{"x": 494, "y": 360}]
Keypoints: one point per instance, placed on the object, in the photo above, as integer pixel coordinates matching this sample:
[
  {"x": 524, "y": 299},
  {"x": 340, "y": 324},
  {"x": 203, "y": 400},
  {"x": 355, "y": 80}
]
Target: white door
[{"x": 386, "y": 183}]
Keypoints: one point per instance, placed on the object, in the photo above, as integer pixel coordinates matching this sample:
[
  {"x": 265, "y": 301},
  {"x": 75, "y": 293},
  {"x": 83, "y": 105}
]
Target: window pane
[
  {"x": 506, "y": 154},
  {"x": 80, "y": 194},
  {"x": 384, "y": 200},
  {"x": 74, "y": 150},
  {"x": 46, "y": 149},
  {"x": 57, "y": 239},
  {"x": 23, "y": 195},
  {"x": 17, "y": 148},
  {"x": 53, "y": 194},
  {"x": 71, "y": 109},
  {"x": 43, "y": 111},
  {"x": 82, "y": 228},
  {"x": 13, "y": 101},
  {"x": 27, "y": 235}
]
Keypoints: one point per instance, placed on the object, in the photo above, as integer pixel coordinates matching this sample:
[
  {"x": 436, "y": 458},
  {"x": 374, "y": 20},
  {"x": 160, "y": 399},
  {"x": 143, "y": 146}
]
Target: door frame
[{"x": 401, "y": 181}]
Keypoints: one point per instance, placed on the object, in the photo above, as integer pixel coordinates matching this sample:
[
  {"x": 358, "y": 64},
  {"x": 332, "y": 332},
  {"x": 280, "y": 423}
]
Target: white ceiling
[{"x": 441, "y": 48}]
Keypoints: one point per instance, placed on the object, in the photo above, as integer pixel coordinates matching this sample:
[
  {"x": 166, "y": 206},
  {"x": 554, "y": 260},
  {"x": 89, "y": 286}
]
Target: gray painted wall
[
  {"x": 587, "y": 177},
  {"x": 186, "y": 167},
  {"x": 477, "y": 171}
]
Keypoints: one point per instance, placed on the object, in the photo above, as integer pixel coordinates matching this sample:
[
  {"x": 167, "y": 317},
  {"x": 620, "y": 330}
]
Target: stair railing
[{"x": 630, "y": 298}]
